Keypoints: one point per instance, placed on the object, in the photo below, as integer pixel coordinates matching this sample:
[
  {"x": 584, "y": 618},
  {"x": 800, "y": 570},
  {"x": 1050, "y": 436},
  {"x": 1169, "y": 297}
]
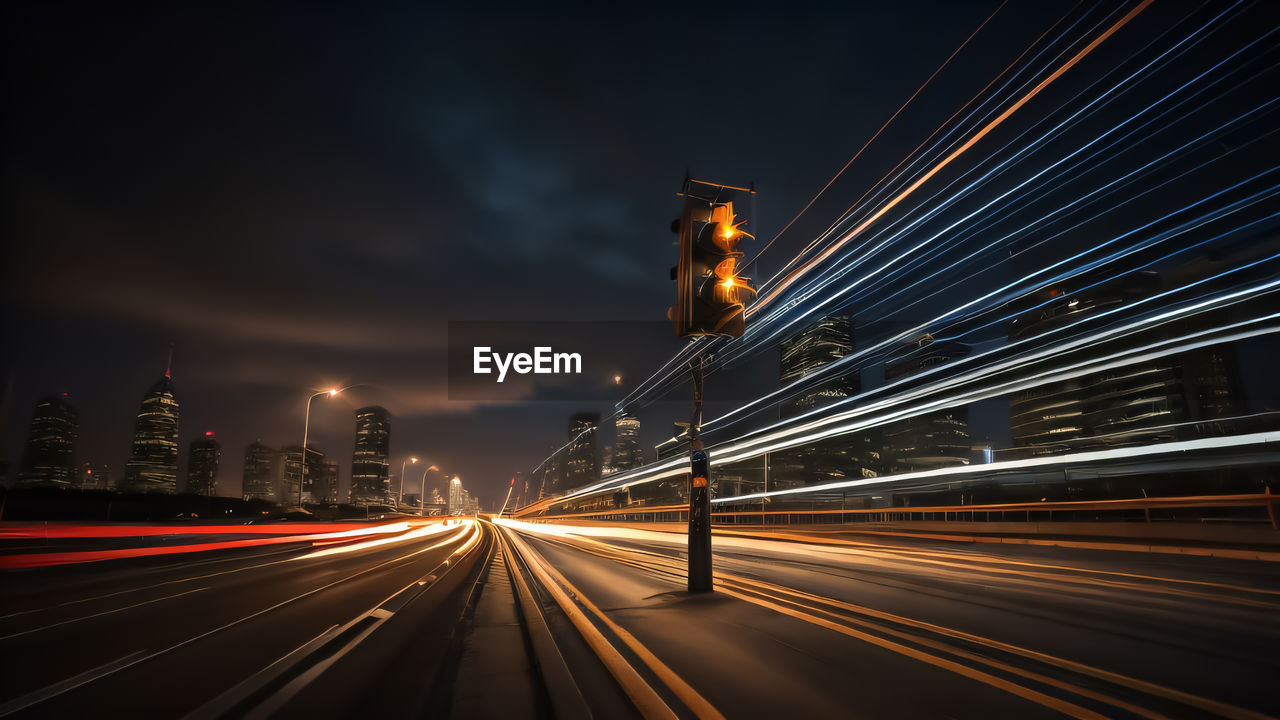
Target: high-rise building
[
  {"x": 606, "y": 461},
  {"x": 153, "y": 464},
  {"x": 582, "y": 465},
  {"x": 551, "y": 480},
  {"x": 934, "y": 439},
  {"x": 457, "y": 496},
  {"x": 202, "y": 465},
  {"x": 627, "y": 451},
  {"x": 263, "y": 473},
  {"x": 370, "y": 468},
  {"x": 50, "y": 455},
  {"x": 326, "y": 483},
  {"x": 293, "y": 473},
  {"x": 1178, "y": 396},
  {"x": 855, "y": 455},
  {"x": 816, "y": 346}
]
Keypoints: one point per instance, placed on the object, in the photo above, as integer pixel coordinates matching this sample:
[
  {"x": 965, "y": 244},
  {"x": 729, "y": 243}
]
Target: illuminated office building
[
  {"x": 153, "y": 463},
  {"x": 50, "y": 454},
  {"x": 627, "y": 451},
  {"x": 935, "y": 439},
  {"x": 370, "y": 467},
  {"x": 816, "y": 346},
  {"x": 202, "y": 465},
  {"x": 263, "y": 473},
  {"x": 582, "y": 464},
  {"x": 457, "y": 496},
  {"x": 1163, "y": 399},
  {"x": 293, "y": 473},
  {"x": 849, "y": 456},
  {"x": 325, "y": 487}
]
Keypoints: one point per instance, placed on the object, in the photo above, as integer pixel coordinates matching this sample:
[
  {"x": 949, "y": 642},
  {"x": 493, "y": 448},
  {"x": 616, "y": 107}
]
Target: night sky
[{"x": 300, "y": 196}]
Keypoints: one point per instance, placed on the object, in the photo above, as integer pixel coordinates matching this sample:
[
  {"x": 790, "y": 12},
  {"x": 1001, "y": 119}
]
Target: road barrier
[{"x": 998, "y": 512}]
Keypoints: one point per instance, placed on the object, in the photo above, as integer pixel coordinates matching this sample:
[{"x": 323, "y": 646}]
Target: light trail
[
  {"x": 847, "y": 363},
  {"x": 772, "y": 294},
  {"x": 877, "y": 133},
  {"x": 848, "y": 559},
  {"x": 745, "y": 346},
  {"x": 399, "y": 531},
  {"x": 843, "y": 423},
  {"x": 1028, "y": 362},
  {"x": 687, "y": 351},
  {"x": 832, "y": 275}
]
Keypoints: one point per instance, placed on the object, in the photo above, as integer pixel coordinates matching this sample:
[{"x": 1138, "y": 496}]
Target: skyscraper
[
  {"x": 50, "y": 455},
  {"x": 370, "y": 469},
  {"x": 818, "y": 345},
  {"x": 456, "y": 496},
  {"x": 627, "y": 452},
  {"x": 153, "y": 464},
  {"x": 202, "y": 465},
  {"x": 326, "y": 483},
  {"x": 583, "y": 463},
  {"x": 855, "y": 455},
  {"x": 934, "y": 439},
  {"x": 1184, "y": 395},
  {"x": 263, "y": 472},
  {"x": 293, "y": 473}
]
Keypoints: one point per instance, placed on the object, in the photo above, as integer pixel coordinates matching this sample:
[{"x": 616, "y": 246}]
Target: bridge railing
[{"x": 1120, "y": 509}]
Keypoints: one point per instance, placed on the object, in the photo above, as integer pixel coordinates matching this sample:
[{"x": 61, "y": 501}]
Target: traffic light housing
[{"x": 709, "y": 292}]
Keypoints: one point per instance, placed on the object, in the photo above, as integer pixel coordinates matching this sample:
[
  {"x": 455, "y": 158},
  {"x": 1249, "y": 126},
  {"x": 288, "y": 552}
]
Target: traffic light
[{"x": 709, "y": 291}]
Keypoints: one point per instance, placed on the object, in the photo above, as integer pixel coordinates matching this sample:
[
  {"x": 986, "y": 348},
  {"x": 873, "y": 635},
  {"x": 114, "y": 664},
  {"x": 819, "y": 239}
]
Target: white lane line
[
  {"x": 230, "y": 699},
  {"x": 178, "y": 581},
  {"x": 223, "y": 704},
  {"x": 58, "y": 688},
  {"x": 70, "y": 683},
  {"x": 99, "y": 614},
  {"x": 21, "y": 612}
]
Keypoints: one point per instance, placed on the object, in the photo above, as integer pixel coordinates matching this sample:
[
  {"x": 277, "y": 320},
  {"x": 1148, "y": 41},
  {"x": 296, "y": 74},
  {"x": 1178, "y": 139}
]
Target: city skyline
[{"x": 256, "y": 325}]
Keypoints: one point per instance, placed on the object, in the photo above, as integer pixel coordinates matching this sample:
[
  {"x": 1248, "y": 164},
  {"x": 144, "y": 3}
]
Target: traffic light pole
[{"x": 699, "y": 495}]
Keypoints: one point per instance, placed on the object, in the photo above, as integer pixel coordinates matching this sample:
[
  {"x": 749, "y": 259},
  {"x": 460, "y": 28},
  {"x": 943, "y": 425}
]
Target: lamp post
[
  {"x": 306, "y": 427},
  {"x": 422, "y": 492},
  {"x": 400, "y": 490}
]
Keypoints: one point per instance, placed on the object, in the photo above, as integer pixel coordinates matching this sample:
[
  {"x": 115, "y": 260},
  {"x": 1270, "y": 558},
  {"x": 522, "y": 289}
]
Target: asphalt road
[
  {"x": 169, "y": 636},
  {"x": 800, "y": 625},
  {"x": 867, "y": 628}
]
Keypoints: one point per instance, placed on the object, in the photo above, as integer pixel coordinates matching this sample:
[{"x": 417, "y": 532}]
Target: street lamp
[
  {"x": 400, "y": 490},
  {"x": 306, "y": 427},
  {"x": 422, "y": 492}
]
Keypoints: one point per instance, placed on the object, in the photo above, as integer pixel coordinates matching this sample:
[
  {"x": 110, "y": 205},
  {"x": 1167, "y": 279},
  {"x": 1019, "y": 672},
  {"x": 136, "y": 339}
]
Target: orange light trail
[
  {"x": 881, "y": 130},
  {"x": 827, "y": 253}
]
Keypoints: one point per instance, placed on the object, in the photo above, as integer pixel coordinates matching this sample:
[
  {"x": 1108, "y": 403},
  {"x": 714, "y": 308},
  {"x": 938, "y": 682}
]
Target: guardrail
[{"x": 990, "y": 512}]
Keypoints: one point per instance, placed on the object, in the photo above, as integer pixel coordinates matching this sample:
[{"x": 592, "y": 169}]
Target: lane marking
[
  {"x": 1048, "y": 701},
  {"x": 99, "y": 614},
  {"x": 666, "y": 565},
  {"x": 75, "y": 681},
  {"x": 1039, "y": 698},
  {"x": 988, "y": 558},
  {"x": 58, "y": 689},
  {"x": 973, "y": 657},
  {"x": 646, "y": 700},
  {"x": 231, "y": 698},
  {"x": 566, "y": 696},
  {"x": 687, "y": 694}
]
